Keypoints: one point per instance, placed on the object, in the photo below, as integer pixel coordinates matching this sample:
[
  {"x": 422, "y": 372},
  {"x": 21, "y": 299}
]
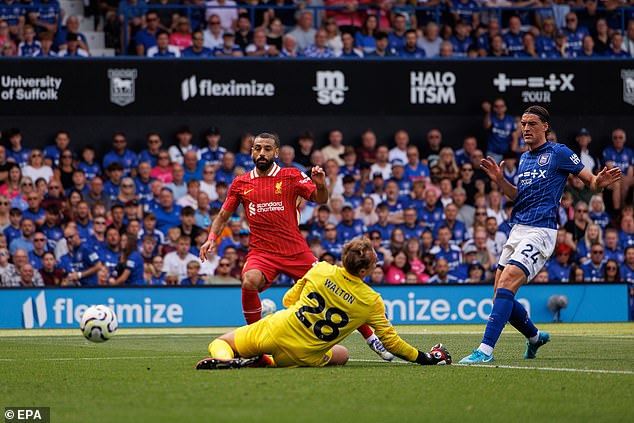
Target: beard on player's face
[{"x": 263, "y": 164}]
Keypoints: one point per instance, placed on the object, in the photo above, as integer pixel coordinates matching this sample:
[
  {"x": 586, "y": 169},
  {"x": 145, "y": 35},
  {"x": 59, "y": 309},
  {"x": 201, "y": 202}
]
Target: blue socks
[
  {"x": 502, "y": 310},
  {"x": 519, "y": 320}
]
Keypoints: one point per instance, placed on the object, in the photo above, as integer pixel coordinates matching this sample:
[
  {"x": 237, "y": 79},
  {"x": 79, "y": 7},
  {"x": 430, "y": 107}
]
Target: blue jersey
[
  {"x": 430, "y": 218},
  {"x": 227, "y": 242},
  {"x": 91, "y": 170},
  {"x": 557, "y": 272},
  {"x": 396, "y": 42},
  {"x": 80, "y": 261},
  {"x": 404, "y": 186},
  {"x": 244, "y": 160},
  {"x": 146, "y": 156},
  {"x": 110, "y": 259},
  {"x": 165, "y": 219},
  {"x": 458, "y": 231},
  {"x": 513, "y": 42},
  {"x": 602, "y": 219},
  {"x": 543, "y": 173},
  {"x": 134, "y": 264},
  {"x": 465, "y": 10},
  {"x": 354, "y": 200},
  {"x": 316, "y": 231},
  {"x": 592, "y": 273},
  {"x": 622, "y": 159},
  {"x": 501, "y": 134},
  {"x": 20, "y": 157},
  {"x": 53, "y": 153},
  {"x": 213, "y": 157},
  {"x": 34, "y": 215},
  {"x": 128, "y": 160},
  {"x": 365, "y": 42},
  {"x": 188, "y": 281},
  {"x": 416, "y": 174},
  {"x": 385, "y": 231},
  {"x": 189, "y": 52},
  {"x": 574, "y": 40},
  {"x": 627, "y": 273},
  {"x": 10, "y": 233},
  {"x": 47, "y": 11},
  {"x": 53, "y": 234},
  {"x": 11, "y": 13},
  {"x": 453, "y": 255},
  {"x": 412, "y": 231},
  {"x": 347, "y": 232},
  {"x": 29, "y": 50},
  {"x": 35, "y": 260},
  {"x": 617, "y": 254},
  {"x": 84, "y": 231},
  {"x": 545, "y": 46},
  {"x": 111, "y": 190},
  {"x": 333, "y": 248},
  {"x": 625, "y": 239},
  {"x": 416, "y": 53},
  {"x": 460, "y": 47}
]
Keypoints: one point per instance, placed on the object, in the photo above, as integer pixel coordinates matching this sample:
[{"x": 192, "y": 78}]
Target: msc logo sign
[
  {"x": 34, "y": 308},
  {"x": 330, "y": 87}
]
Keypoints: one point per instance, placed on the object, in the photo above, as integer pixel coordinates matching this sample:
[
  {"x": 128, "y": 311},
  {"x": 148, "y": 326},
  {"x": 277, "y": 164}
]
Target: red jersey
[{"x": 271, "y": 204}]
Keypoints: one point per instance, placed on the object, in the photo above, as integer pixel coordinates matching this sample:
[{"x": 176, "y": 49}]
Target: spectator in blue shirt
[
  {"x": 364, "y": 38},
  {"x": 466, "y": 11},
  {"x": 19, "y": 154},
  {"x": 348, "y": 50},
  {"x": 349, "y": 228},
  {"x": 559, "y": 266},
  {"x": 212, "y": 154},
  {"x": 162, "y": 47},
  {"x": 612, "y": 249},
  {"x": 25, "y": 238},
  {"x": 319, "y": 49},
  {"x": 627, "y": 268},
  {"x": 178, "y": 185},
  {"x": 225, "y": 172},
  {"x": 91, "y": 168},
  {"x": 80, "y": 263},
  {"x": 513, "y": 37},
  {"x": 528, "y": 46},
  {"x": 382, "y": 47},
  {"x": 574, "y": 34},
  {"x": 461, "y": 40},
  {"x": 622, "y": 157},
  {"x": 130, "y": 265},
  {"x": 150, "y": 154},
  {"x": 330, "y": 242},
  {"x": 45, "y": 16},
  {"x": 193, "y": 278},
  {"x": 396, "y": 38},
  {"x": 616, "y": 47},
  {"x": 112, "y": 185},
  {"x": 197, "y": 49},
  {"x": 410, "y": 49},
  {"x": 501, "y": 128},
  {"x": 545, "y": 43},
  {"x": 122, "y": 155},
  {"x": 593, "y": 269},
  {"x": 146, "y": 37},
  {"x": 52, "y": 152},
  {"x": 167, "y": 213},
  {"x": 483, "y": 42}
]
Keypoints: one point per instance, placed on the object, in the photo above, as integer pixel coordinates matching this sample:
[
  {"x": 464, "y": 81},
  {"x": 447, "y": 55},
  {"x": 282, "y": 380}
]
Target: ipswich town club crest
[
  {"x": 122, "y": 86},
  {"x": 628, "y": 85},
  {"x": 544, "y": 159}
]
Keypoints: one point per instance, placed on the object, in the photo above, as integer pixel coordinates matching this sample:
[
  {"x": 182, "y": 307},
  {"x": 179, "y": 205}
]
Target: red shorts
[{"x": 271, "y": 265}]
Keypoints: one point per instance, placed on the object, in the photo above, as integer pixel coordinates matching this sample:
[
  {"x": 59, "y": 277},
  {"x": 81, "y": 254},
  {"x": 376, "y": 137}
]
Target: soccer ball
[
  {"x": 98, "y": 323},
  {"x": 268, "y": 307}
]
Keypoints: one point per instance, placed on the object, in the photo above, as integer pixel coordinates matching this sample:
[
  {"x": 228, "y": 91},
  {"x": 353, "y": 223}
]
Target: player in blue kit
[{"x": 543, "y": 172}]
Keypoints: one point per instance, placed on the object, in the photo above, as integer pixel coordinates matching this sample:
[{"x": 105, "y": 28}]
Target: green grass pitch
[{"x": 147, "y": 375}]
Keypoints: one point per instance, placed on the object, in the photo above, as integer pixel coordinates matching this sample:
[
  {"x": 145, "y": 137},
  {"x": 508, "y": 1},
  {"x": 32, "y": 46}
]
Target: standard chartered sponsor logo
[
  {"x": 269, "y": 207},
  {"x": 414, "y": 310}
]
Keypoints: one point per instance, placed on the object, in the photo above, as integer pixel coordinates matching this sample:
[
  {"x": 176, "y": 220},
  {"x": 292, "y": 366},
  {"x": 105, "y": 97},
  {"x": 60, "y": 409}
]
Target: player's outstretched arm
[
  {"x": 320, "y": 195},
  {"x": 602, "y": 180},
  {"x": 495, "y": 173},
  {"x": 214, "y": 232}
]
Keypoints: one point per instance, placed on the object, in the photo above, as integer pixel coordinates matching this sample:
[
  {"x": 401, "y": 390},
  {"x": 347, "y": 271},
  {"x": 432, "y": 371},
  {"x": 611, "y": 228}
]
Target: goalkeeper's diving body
[{"x": 322, "y": 308}]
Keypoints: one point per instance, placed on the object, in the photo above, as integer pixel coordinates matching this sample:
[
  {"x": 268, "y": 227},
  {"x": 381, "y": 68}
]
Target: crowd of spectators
[
  {"x": 138, "y": 217},
  {"x": 328, "y": 28}
]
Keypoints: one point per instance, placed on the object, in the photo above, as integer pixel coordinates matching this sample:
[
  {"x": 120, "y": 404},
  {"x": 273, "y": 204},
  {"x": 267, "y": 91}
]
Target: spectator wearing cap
[
  {"x": 73, "y": 48},
  {"x": 234, "y": 225},
  {"x": 349, "y": 228},
  {"x": 398, "y": 176},
  {"x": 182, "y": 146},
  {"x": 228, "y": 48},
  {"x": 213, "y": 153},
  {"x": 167, "y": 213},
  {"x": 350, "y": 166},
  {"x": 162, "y": 47},
  {"x": 197, "y": 49},
  {"x": 469, "y": 257},
  {"x": 582, "y": 149}
]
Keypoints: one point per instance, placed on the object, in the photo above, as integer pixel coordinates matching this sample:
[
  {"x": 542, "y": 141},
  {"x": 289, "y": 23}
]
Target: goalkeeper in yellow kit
[{"x": 322, "y": 308}]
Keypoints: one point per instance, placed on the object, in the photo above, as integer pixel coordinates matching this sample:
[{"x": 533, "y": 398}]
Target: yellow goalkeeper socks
[{"x": 220, "y": 349}]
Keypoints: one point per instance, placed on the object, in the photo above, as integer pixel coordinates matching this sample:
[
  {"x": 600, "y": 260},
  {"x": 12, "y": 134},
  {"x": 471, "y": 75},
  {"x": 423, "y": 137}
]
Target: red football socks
[
  {"x": 251, "y": 305},
  {"x": 365, "y": 330}
]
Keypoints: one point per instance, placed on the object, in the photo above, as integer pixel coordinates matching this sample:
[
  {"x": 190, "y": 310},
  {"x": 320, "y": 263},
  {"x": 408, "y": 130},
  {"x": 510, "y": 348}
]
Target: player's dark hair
[
  {"x": 357, "y": 255},
  {"x": 270, "y": 136},
  {"x": 540, "y": 112}
]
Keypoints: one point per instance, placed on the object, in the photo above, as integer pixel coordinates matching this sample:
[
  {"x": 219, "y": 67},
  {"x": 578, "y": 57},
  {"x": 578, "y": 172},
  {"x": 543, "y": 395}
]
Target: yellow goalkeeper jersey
[{"x": 324, "y": 307}]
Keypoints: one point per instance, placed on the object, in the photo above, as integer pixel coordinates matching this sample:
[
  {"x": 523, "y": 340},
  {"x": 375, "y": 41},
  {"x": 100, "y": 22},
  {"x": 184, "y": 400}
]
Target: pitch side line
[
  {"x": 164, "y": 357},
  {"x": 493, "y": 366}
]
